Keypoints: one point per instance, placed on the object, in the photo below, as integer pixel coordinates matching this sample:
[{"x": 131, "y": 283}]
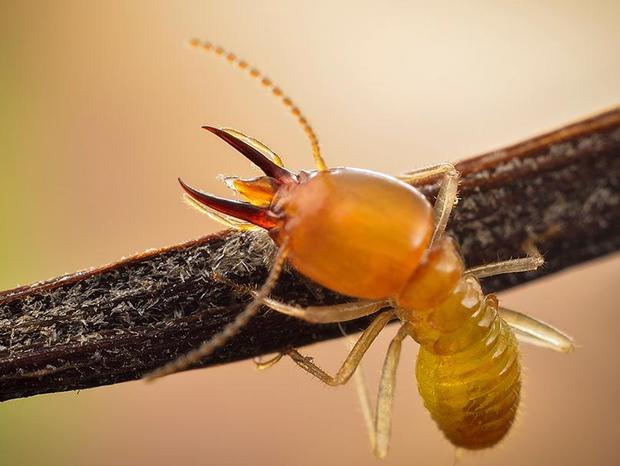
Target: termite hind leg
[
  {"x": 531, "y": 262},
  {"x": 385, "y": 397},
  {"x": 417, "y": 176},
  {"x": 378, "y": 425},
  {"x": 447, "y": 196},
  {"x": 316, "y": 314},
  {"x": 530, "y": 330},
  {"x": 361, "y": 389},
  {"x": 352, "y": 360}
]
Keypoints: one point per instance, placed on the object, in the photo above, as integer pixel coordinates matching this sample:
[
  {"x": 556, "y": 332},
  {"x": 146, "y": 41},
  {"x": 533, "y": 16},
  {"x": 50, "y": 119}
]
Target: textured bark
[{"x": 115, "y": 323}]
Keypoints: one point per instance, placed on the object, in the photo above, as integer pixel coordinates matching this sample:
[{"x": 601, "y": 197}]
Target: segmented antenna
[{"x": 275, "y": 90}]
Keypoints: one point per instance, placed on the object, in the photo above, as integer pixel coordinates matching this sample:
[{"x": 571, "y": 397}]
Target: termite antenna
[
  {"x": 275, "y": 90},
  {"x": 230, "y": 330}
]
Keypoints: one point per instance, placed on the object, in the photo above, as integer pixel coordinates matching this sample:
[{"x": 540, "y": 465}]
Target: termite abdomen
[{"x": 469, "y": 378}]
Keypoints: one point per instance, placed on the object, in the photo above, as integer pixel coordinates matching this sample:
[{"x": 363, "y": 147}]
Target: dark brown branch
[{"x": 117, "y": 322}]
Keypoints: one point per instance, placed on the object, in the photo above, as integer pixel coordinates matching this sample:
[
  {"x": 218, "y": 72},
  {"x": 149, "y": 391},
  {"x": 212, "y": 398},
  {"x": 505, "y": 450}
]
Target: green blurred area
[
  {"x": 34, "y": 430},
  {"x": 13, "y": 113}
]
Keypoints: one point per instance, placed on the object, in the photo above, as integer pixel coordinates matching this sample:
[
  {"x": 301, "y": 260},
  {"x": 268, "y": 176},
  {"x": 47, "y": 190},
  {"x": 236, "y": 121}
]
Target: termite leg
[
  {"x": 328, "y": 314},
  {"x": 263, "y": 365},
  {"x": 417, "y": 176},
  {"x": 379, "y": 425},
  {"x": 532, "y": 261},
  {"x": 363, "y": 397},
  {"x": 317, "y": 314},
  {"x": 352, "y": 360},
  {"x": 447, "y": 196},
  {"x": 533, "y": 331},
  {"x": 385, "y": 397}
]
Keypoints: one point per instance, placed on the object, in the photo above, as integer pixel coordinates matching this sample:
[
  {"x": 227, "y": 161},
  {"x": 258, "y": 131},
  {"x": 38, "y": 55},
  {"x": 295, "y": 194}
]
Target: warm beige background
[{"x": 100, "y": 109}]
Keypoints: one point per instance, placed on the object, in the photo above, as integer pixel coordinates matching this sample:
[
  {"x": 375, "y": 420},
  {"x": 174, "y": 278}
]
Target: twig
[{"x": 115, "y": 323}]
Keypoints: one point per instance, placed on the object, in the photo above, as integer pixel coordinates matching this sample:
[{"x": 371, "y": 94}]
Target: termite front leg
[
  {"x": 316, "y": 314},
  {"x": 532, "y": 261},
  {"x": 447, "y": 196},
  {"x": 533, "y": 331},
  {"x": 328, "y": 314},
  {"x": 352, "y": 360}
]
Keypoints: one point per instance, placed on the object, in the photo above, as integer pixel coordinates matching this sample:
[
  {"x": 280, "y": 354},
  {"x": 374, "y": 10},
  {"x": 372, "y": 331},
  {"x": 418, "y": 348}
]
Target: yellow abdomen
[{"x": 469, "y": 374}]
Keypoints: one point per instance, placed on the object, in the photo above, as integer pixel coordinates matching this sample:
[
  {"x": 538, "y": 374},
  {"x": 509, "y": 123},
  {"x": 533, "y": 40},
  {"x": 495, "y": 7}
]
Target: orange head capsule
[
  {"x": 357, "y": 232},
  {"x": 354, "y": 231}
]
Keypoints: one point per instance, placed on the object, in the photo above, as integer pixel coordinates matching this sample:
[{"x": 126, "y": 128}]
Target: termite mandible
[{"x": 382, "y": 242}]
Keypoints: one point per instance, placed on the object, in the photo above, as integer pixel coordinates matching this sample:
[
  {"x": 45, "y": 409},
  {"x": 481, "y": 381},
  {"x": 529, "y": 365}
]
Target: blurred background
[{"x": 101, "y": 108}]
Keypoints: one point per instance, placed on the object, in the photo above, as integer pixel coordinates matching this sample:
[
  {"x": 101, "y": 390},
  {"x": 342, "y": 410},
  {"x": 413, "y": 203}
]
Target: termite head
[{"x": 259, "y": 192}]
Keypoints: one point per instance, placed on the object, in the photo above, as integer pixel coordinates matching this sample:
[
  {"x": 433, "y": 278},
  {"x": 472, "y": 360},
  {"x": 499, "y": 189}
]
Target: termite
[{"x": 377, "y": 239}]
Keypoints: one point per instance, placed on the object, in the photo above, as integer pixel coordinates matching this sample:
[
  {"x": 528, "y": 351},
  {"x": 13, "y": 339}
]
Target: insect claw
[
  {"x": 269, "y": 167},
  {"x": 242, "y": 210}
]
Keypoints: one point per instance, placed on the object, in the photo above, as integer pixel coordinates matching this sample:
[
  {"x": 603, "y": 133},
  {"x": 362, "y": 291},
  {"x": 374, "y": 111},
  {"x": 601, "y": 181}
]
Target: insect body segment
[{"x": 468, "y": 369}]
